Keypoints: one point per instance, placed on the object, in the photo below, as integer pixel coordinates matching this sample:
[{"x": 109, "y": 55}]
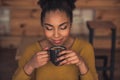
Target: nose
[{"x": 56, "y": 33}]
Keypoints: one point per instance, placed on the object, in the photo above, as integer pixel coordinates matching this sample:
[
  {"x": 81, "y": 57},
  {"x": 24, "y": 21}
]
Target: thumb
[{"x": 46, "y": 48}]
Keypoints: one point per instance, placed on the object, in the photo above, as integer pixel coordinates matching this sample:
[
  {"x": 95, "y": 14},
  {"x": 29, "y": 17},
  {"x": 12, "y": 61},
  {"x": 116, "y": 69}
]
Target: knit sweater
[{"x": 64, "y": 72}]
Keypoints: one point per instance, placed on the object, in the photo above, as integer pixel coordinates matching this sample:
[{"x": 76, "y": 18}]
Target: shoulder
[
  {"x": 25, "y": 48},
  {"x": 30, "y": 49},
  {"x": 86, "y": 50},
  {"x": 38, "y": 45},
  {"x": 83, "y": 46},
  {"x": 33, "y": 45},
  {"x": 83, "y": 43},
  {"x": 30, "y": 46}
]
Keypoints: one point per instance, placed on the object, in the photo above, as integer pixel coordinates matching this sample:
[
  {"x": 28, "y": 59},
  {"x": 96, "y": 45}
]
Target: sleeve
[
  {"x": 87, "y": 53},
  {"x": 20, "y": 74}
]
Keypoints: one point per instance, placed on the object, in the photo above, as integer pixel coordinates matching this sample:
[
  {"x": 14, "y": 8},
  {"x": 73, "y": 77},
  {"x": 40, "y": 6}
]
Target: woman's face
[{"x": 56, "y": 26}]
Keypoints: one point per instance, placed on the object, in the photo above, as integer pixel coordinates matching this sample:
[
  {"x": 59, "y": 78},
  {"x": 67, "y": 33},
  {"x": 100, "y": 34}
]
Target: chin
[
  {"x": 60, "y": 44},
  {"x": 57, "y": 44}
]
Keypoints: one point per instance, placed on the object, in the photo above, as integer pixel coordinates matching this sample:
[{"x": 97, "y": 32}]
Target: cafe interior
[{"x": 96, "y": 21}]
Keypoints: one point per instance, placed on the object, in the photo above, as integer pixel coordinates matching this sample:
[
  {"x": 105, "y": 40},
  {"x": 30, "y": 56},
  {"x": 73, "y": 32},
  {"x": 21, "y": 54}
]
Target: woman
[{"x": 78, "y": 58}]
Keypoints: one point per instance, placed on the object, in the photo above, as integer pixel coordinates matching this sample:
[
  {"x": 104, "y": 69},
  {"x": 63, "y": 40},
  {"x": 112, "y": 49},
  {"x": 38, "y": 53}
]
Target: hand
[
  {"x": 38, "y": 60},
  {"x": 70, "y": 57}
]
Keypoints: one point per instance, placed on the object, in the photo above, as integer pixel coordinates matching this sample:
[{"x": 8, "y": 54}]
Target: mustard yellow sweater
[{"x": 52, "y": 72}]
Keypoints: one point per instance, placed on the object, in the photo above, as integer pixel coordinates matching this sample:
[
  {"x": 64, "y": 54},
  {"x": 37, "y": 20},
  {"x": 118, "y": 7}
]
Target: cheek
[
  {"x": 65, "y": 33},
  {"x": 48, "y": 34}
]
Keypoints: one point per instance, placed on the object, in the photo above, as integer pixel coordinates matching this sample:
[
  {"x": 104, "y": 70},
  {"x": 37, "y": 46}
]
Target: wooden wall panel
[
  {"x": 10, "y": 41},
  {"x": 19, "y": 3},
  {"x": 79, "y": 3},
  {"x": 110, "y": 15},
  {"x": 25, "y": 21},
  {"x": 98, "y": 3},
  {"x": 20, "y": 13},
  {"x": 31, "y": 26},
  {"x": 28, "y": 18},
  {"x": 105, "y": 44},
  {"x": 26, "y": 13},
  {"x": 0, "y": 2}
]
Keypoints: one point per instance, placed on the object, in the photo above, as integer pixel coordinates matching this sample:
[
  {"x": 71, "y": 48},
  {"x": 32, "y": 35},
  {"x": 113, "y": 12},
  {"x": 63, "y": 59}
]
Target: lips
[{"x": 57, "y": 41}]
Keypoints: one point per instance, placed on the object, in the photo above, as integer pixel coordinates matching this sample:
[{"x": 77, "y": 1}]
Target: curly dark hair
[{"x": 51, "y": 5}]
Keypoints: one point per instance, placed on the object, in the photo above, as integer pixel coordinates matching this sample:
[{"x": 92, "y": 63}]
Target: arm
[
  {"x": 32, "y": 58},
  {"x": 87, "y": 54},
  {"x": 84, "y": 60},
  {"x": 20, "y": 73}
]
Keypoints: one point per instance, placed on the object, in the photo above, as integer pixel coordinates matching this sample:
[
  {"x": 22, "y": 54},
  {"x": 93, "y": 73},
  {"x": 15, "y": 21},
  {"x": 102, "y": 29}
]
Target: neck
[{"x": 69, "y": 42}]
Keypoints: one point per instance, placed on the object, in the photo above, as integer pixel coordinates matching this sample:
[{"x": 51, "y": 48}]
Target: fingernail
[{"x": 58, "y": 59}]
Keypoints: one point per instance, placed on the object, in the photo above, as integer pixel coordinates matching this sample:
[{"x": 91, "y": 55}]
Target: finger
[
  {"x": 42, "y": 52},
  {"x": 71, "y": 54},
  {"x": 70, "y": 60},
  {"x": 44, "y": 56},
  {"x": 41, "y": 56},
  {"x": 65, "y": 52},
  {"x": 46, "y": 48},
  {"x": 63, "y": 62},
  {"x": 61, "y": 58},
  {"x": 43, "y": 60},
  {"x": 74, "y": 61},
  {"x": 43, "y": 63}
]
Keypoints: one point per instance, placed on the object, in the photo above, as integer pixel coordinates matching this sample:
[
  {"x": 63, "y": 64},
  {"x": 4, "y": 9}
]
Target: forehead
[
  {"x": 56, "y": 15},
  {"x": 55, "y": 12}
]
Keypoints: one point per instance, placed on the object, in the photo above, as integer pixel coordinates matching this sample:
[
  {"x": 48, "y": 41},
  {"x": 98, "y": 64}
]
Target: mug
[{"x": 53, "y": 52}]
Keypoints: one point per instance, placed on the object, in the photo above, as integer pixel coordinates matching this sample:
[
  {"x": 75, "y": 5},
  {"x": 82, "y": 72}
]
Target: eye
[
  {"x": 48, "y": 28},
  {"x": 63, "y": 27}
]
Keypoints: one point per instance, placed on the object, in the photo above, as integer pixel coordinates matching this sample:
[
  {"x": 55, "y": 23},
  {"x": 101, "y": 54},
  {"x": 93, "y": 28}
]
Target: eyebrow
[
  {"x": 59, "y": 24},
  {"x": 63, "y": 23}
]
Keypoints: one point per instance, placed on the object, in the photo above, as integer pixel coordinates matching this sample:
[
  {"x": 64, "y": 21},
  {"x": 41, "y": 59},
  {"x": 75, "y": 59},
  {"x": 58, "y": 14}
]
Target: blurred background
[{"x": 20, "y": 26}]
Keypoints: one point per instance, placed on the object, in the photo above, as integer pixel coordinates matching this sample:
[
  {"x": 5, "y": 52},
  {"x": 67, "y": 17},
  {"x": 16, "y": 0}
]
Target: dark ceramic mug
[{"x": 53, "y": 52}]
